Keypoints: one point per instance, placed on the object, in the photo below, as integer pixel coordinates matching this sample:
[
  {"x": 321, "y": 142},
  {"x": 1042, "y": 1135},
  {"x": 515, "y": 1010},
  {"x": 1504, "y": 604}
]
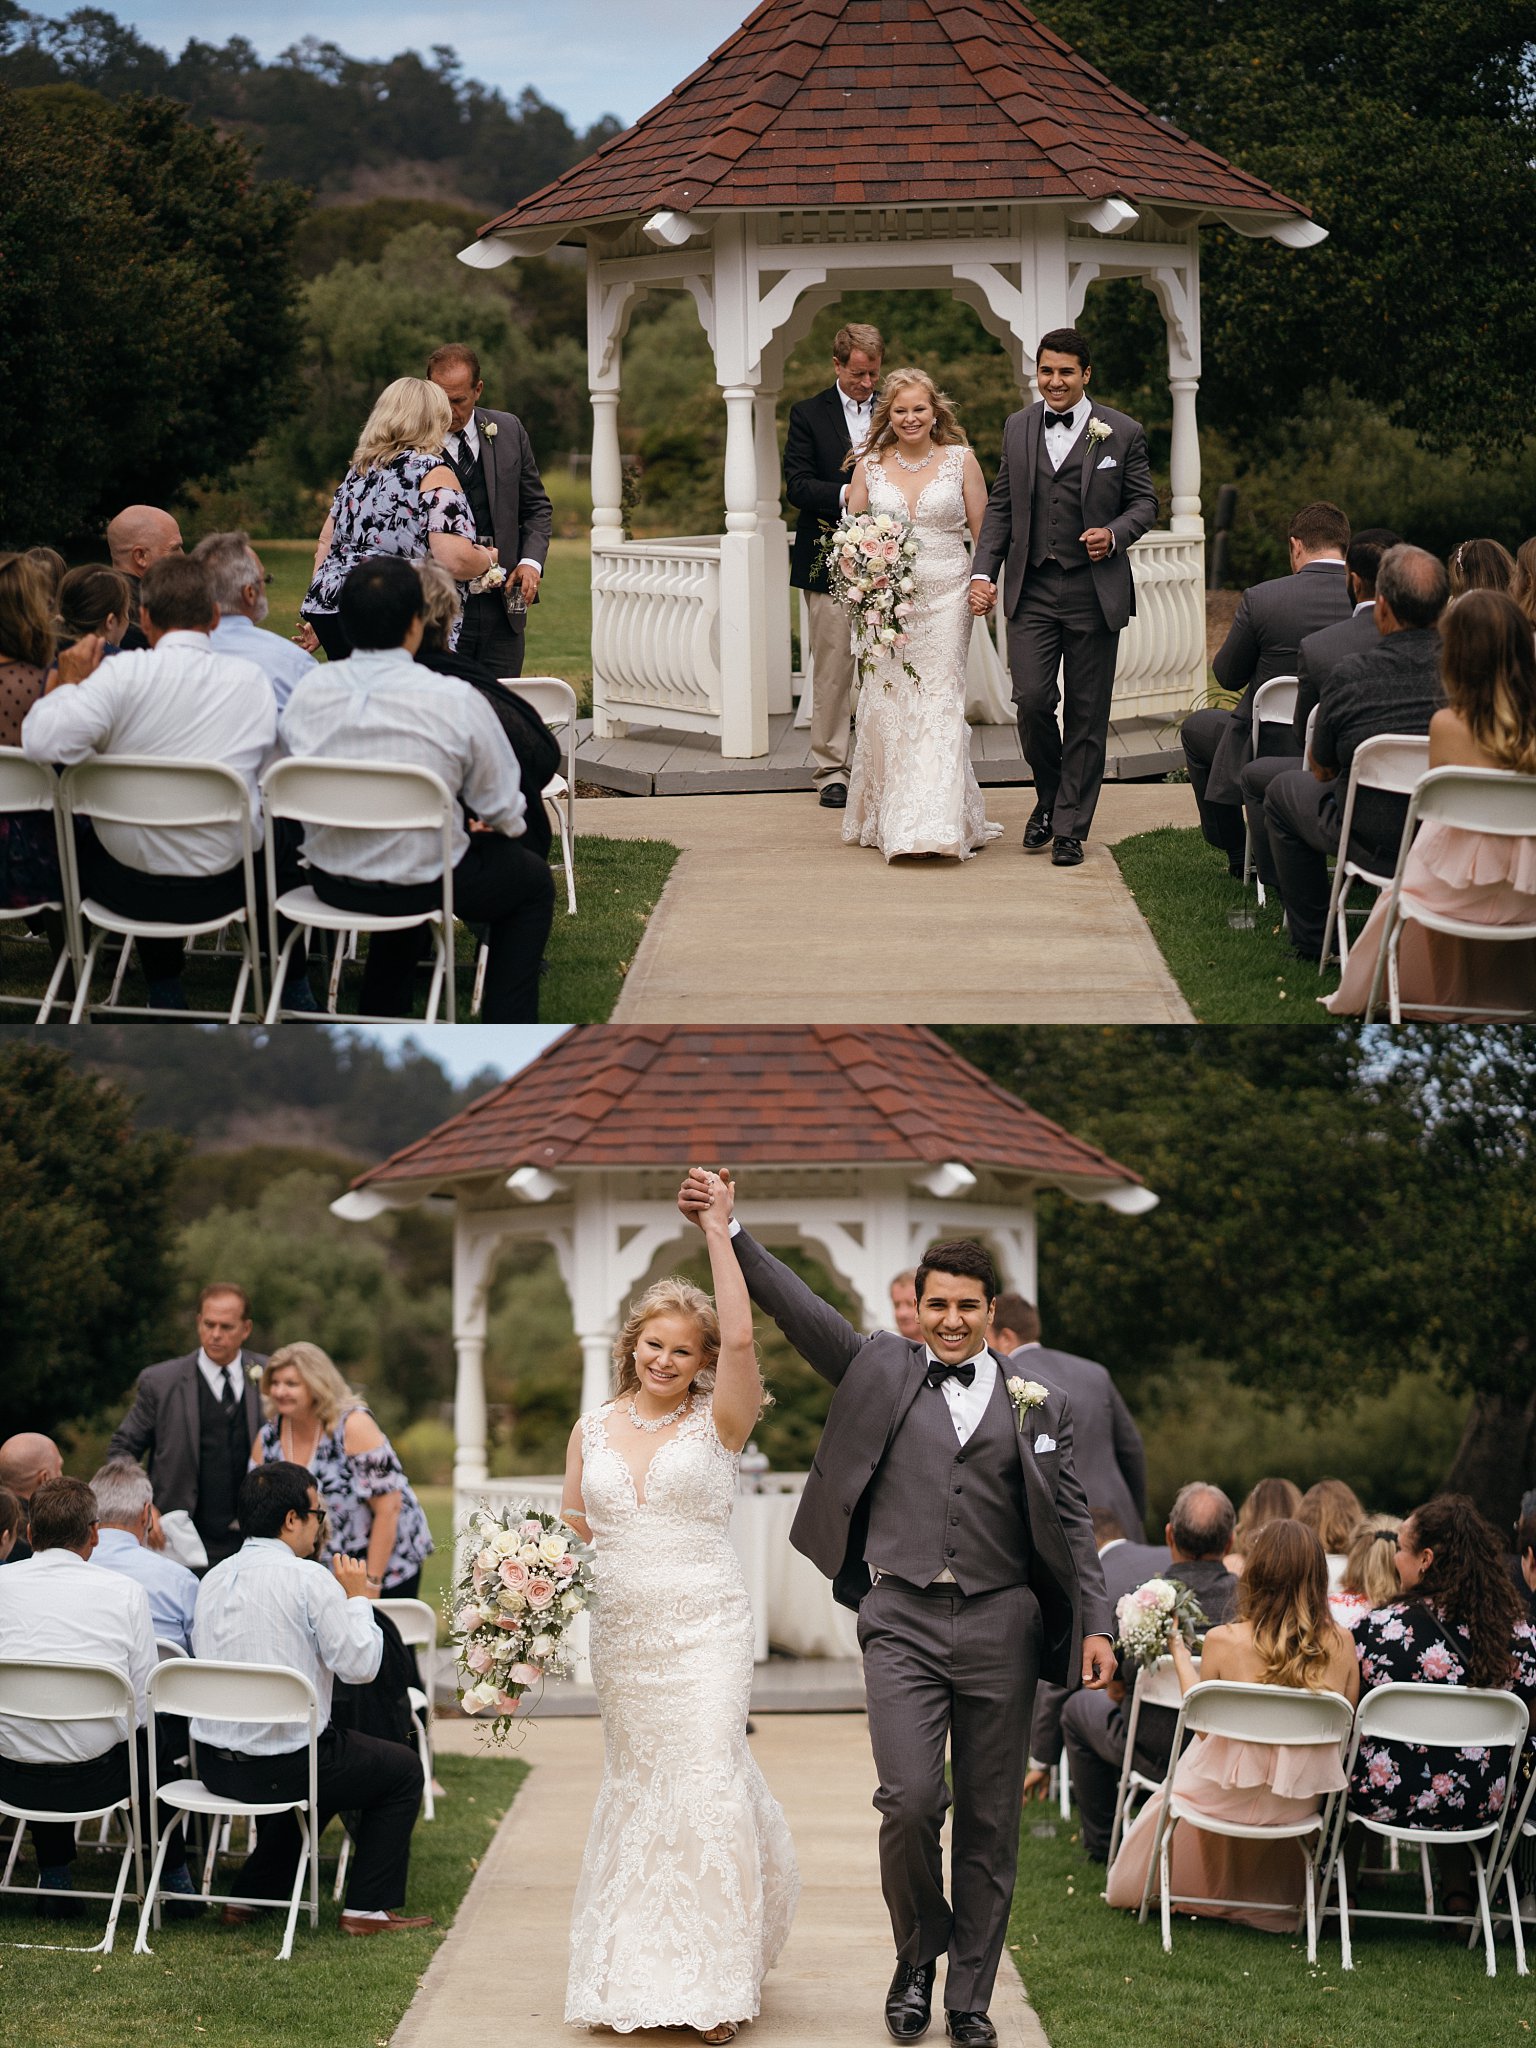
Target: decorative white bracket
[
  {"x": 670, "y": 230},
  {"x": 1289, "y": 229},
  {"x": 1107, "y": 216},
  {"x": 491, "y": 251}
]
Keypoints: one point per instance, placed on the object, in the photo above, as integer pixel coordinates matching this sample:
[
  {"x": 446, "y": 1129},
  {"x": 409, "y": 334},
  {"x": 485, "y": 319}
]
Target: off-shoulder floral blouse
[
  {"x": 386, "y": 511},
  {"x": 346, "y": 1483}
]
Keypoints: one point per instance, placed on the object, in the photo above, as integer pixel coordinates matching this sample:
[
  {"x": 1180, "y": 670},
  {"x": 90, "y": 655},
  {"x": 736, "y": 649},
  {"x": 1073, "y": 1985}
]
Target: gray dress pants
[{"x": 940, "y": 1668}]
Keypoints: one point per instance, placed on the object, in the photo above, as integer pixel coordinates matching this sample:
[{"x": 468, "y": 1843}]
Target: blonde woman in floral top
[
  {"x": 314, "y": 1419},
  {"x": 398, "y": 498}
]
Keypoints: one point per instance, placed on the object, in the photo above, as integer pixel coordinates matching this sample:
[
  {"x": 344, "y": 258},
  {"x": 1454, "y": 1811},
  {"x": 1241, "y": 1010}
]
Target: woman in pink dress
[
  {"x": 1283, "y": 1635},
  {"x": 1488, "y": 668}
]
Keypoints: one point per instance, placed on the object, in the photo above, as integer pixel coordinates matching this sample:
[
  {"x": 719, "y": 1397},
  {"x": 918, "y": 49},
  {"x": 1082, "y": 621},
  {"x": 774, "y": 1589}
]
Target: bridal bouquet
[
  {"x": 869, "y": 558},
  {"x": 1146, "y": 1616},
  {"x": 526, "y": 1578}
]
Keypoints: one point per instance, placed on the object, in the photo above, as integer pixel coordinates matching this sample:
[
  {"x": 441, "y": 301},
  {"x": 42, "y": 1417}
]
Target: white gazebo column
[
  {"x": 1184, "y": 458},
  {"x": 743, "y": 602},
  {"x": 775, "y": 549},
  {"x": 475, "y": 1244},
  {"x": 607, "y": 470},
  {"x": 596, "y": 1365}
]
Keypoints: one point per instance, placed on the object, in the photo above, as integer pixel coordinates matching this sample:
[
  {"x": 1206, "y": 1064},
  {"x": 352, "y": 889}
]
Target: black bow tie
[
  {"x": 938, "y": 1372},
  {"x": 1058, "y": 419}
]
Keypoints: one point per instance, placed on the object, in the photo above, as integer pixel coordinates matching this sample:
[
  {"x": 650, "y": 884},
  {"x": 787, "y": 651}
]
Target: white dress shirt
[
  {"x": 179, "y": 700},
  {"x": 858, "y": 412},
  {"x": 171, "y": 1588},
  {"x": 967, "y": 1404},
  {"x": 467, "y": 438},
  {"x": 278, "y": 659},
  {"x": 379, "y": 705},
  {"x": 266, "y": 1606},
  {"x": 217, "y": 1376},
  {"x": 55, "y": 1607},
  {"x": 1060, "y": 441}
]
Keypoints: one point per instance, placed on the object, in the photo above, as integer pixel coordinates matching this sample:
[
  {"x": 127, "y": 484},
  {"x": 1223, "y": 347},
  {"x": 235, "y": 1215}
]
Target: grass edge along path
[
  {"x": 1095, "y": 1976},
  {"x": 221, "y": 1987}
]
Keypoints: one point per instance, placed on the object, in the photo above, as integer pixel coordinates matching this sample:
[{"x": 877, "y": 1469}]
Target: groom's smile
[{"x": 953, "y": 1314}]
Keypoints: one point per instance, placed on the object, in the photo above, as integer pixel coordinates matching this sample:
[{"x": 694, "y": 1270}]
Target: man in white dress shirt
[
  {"x": 380, "y": 705},
  {"x": 125, "y": 1508},
  {"x": 239, "y": 585},
  {"x": 271, "y": 1603}
]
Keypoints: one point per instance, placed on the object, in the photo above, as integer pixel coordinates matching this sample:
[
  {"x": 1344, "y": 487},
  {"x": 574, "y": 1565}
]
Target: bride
[
  {"x": 688, "y": 1884},
  {"x": 912, "y": 789}
]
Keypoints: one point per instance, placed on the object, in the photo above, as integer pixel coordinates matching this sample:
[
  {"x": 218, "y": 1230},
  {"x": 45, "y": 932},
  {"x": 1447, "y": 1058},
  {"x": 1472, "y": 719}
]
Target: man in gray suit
[
  {"x": 492, "y": 457},
  {"x": 197, "y": 1417},
  {"x": 943, "y": 1505},
  {"x": 1074, "y": 490},
  {"x": 1111, "y": 1462}
]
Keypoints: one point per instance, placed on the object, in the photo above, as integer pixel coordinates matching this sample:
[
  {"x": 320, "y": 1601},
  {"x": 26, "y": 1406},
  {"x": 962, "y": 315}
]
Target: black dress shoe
[
  {"x": 834, "y": 796},
  {"x": 970, "y": 2029},
  {"x": 1037, "y": 833},
  {"x": 909, "y": 2002},
  {"x": 1067, "y": 853}
]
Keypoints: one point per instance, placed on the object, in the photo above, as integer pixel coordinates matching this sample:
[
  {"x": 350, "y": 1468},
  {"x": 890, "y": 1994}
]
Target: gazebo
[
  {"x": 837, "y": 145},
  {"x": 863, "y": 1143}
]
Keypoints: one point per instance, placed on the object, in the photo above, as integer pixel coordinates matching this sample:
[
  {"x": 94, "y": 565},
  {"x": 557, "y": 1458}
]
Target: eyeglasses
[{"x": 317, "y": 1514}]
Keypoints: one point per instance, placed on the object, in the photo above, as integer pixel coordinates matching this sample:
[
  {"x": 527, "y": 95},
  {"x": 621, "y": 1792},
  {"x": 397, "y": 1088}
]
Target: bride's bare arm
[
  {"x": 974, "y": 485},
  {"x": 572, "y": 1507},
  {"x": 858, "y": 490},
  {"x": 738, "y": 1379}
]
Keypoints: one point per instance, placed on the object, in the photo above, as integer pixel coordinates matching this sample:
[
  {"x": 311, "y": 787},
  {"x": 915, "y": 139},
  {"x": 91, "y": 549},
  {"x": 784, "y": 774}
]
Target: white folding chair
[
  {"x": 57, "y": 1695},
  {"x": 1501, "y": 1866},
  {"x": 370, "y": 796},
  {"x": 208, "y": 1691},
  {"x": 169, "y": 796},
  {"x": 1274, "y": 703},
  {"x": 33, "y": 787},
  {"x": 555, "y": 702},
  {"x": 1157, "y": 1685},
  {"x": 1393, "y": 761},
  {"x": 1491, "y": 801},
  {"x": 417, "y": 1622},
  {"x": 1438, "y": 1717},
  {"x": 1269, "y": 1714}
]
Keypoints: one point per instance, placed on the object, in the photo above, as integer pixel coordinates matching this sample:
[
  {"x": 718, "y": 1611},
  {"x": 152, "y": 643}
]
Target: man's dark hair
[
  {"x": 269, "y": 1494},
  {"x": 177, "y": 592},
  {"x": 1066, "y": 341},
  {"x": 962, "y": 1255},
  {"x": 453, "y": 352},
  {"x": 62, "y": 1514},
  {"x": 1106, "y": 1526},
  {"x": 379, "y": 600},
  {"x": 1011, "y": 1311},
  {"x": 1201, "y": 1520},
  {"x": 1365, "y": 553},
  {"x": 1413, "y": 584},
  {"x": 225, "y": 1287},
  {"x": 13, "y": 1516},
  {"x": 1321, "y": 526}
]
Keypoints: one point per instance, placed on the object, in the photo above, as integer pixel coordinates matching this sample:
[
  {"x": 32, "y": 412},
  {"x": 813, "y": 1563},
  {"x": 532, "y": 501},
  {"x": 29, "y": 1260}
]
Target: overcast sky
[
  {"x": 465, "y": 1051},
  {"x": 601, "y": 57}
]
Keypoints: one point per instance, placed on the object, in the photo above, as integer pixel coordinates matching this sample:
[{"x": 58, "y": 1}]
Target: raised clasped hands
[
  {"x": 705, "y": 1196},
  {"x": 983, "y": 597}
]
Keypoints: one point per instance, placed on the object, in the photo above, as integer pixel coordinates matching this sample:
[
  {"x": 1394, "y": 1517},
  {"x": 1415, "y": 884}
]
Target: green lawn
[
  {"x": 1228, "y": 975},
  {"x": 220, "y": 1986},
  {"x": 1096, "y": 1976}
]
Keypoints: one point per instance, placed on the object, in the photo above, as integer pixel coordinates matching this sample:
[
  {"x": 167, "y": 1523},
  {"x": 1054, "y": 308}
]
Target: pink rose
[
  {"x": 903, "y": 608},
  {"x": 479, "y": 1659},
  {"x": 891, "y": 550},
  {"x": 506, "y": 1703},
  {"x": 468, "y": 1618},
  {"x": 540, "y": 1592},
  {"x": 525, "y": 1674},
  {"x": 1436, "y": 1662},
  {"x": 1147, "y": 1598},
  {"x": 532, "y": 1531},
  {"x": 566, "y": 1566},
  {"x": 514, "y": 1574},
  {"x": 507, "y": 1621},
  {"x": 1442, "y": 1784}
]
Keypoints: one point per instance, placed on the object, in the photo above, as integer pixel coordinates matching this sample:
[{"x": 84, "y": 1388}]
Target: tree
[
  {"x": 85, "y": 1238},
  {"x": 147, "y": 331}
]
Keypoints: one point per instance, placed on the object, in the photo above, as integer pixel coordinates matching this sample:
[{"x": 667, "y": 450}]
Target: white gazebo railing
[
  {"x": 656, "y": 633},
  {"x": 1161, "y": 666}
]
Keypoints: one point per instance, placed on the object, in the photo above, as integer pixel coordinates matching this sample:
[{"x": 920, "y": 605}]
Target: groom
[
  {"x": 1074, "y": 489},
  {"x": 943, "y": 1505}
]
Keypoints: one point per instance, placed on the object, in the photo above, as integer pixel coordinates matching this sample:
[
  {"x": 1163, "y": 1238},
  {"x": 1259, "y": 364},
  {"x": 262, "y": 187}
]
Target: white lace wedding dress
[
  {"x": 912, "y": 788},
  {"x": 688, "y": 1884}
]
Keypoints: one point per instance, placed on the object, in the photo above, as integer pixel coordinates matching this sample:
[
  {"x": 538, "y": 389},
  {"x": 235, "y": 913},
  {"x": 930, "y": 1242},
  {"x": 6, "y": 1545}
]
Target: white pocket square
[
  {"x": 1109, "y": 463},
  {"x": 1045, "y": 1443}
]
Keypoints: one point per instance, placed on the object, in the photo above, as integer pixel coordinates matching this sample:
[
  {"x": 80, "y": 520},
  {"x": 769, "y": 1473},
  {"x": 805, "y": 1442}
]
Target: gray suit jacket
[
  {"x": 877, "y": 1379},
  {"x": 164, "y": 1421},
  {"x": 1111, "y": 1462},
  {"x": 1264, "y": 640},
  {"x": 1125, "y": 1566},
  {"x": 1121, "y": 497},
  {"x": 1321, "y": 653},
  {"x": 521, "y": 514}
]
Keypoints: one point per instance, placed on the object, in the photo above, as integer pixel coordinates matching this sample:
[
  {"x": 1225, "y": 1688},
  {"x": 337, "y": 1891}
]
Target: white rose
[
  {"x": 908, "y": 585},
  {"x": 540, "y": 1648},
  {"x": 528, "y": 1554},
  {"x": 887, "y": 635},
  {"x": 511, "y": 1601},
  {"x": 551, "y": 1548},
  {"x": 571, "y": 1603},
  {"x": 505, "y": 1543}
]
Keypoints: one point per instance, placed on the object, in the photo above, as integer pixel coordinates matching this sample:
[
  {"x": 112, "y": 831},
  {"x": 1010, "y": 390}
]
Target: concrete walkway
[
  {"x": 489, "y": 1982},
  {"x": 769, "y": 918}
]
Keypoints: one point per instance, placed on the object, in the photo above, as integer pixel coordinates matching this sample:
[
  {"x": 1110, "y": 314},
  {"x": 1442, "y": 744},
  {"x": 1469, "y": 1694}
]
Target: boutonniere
[
  {"x": 1025, "y": 1394},
  {"x": 254, "y": 1372},
  {"x": 488, "y": 428},
  {"x": 1098, "y": 430}
]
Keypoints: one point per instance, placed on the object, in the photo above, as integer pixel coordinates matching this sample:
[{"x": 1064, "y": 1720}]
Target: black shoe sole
[
  {"x": 927, "y": 2023},
  {"x": 1041, "y": 848}
]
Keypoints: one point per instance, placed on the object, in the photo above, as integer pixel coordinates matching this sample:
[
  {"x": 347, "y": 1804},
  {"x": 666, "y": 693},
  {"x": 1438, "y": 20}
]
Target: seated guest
[
  {"x": 1283, "y": 1635},
  {"x": 315, "y": 1420},
  {"x": 1395, "y": 687},
  {"x": 536, "y": 748},
  {"x": 137, "y": 538},
  {"x": 1271, "y": 1500},
  {"x": 1488, "y": 671},
  {"x": 1370, "y": 1570},
  {"x": 27, "y": 1462},
  {"x": 1095, "y": 1725},
  {"x": 182, "y": 701},
  {"x": 239, "y": 586},
  {"x": 1111, "y": 1461},
  {"x": 379, "y": 706},
  {"x": 1522, "y": 585},
  {"x": 1332, "y": 1511},
  {"x": 125, "y": 1514},
  {"x": 271, "y": 1603},
  {"x": 1524, "y": 1561},
  {"x": 1271, "y": 621},
  {"x": 56, "y": 1610},
  {"x": 13, "y": 1518},
  {"x": 1479, "y": 565},
  {"x": 29, "y": 860},
  {"x": 1459, "y": 1622},
  {"x": 94, "y": 601}
]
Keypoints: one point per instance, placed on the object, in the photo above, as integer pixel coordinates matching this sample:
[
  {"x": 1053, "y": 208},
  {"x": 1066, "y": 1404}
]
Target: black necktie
[
  {"x": 1058, "y": 419},
  {"x": 228, "y": 1397},
  {"x": 938, "y": 1372},
  {"x": 464, "y": 461}
]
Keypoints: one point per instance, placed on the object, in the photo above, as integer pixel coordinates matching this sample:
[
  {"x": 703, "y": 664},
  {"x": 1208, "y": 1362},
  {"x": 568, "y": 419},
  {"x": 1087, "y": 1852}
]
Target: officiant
[{"x": 493, "y": 459}]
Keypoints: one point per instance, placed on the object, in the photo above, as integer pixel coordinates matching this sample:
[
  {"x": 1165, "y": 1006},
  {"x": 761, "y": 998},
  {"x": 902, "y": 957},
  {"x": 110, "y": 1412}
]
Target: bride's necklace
[
  {"x": 914, "y": 467},
  {"x": 662, "y": 1420}
]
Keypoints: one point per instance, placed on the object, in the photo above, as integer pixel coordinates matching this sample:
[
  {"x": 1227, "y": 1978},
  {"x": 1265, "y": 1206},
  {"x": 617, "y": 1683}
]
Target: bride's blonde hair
[{"x": 946, "y": 431}]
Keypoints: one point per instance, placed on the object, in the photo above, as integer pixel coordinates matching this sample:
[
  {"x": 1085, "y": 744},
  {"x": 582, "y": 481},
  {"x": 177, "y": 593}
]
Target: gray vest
[
  {"x": 936, "y": 1503},
  {"x": 223, "y": 1451},
  {"x": 1056, "y": 508},
  {"x": 471, "y": 474}
]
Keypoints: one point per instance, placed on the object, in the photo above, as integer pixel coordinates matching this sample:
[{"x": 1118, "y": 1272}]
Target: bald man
[
  {"x": 139, "y": 535},
  {"x": 26, "y": 1460}
]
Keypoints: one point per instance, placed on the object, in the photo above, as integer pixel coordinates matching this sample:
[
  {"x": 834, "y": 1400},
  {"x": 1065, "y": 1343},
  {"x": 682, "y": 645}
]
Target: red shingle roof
[
  {"x": 787, "y": 1094},
  {"x": 891, "y": 102}
]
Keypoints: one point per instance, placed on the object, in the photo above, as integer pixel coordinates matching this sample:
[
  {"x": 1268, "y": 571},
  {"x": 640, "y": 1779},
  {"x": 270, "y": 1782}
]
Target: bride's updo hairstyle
[
  {"x": 946, "y": 431},
  {"x": 672, "y": 1297}
]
